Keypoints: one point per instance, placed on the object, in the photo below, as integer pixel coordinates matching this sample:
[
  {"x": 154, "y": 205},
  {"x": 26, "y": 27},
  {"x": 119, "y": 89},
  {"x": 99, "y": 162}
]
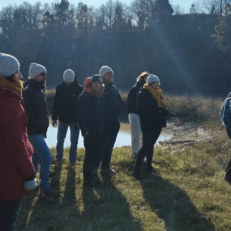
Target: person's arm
[
  {"x": 11, "y": 128},
  {"x": 56, "y": 105},
  {"x": 131, "y": 100},
  {"x": 82, "y": 114},
  {"x": 28, "y": 102}
]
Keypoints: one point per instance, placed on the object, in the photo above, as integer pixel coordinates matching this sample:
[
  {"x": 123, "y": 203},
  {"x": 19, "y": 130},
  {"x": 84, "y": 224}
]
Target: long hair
[{"x": 142, "y": 75}]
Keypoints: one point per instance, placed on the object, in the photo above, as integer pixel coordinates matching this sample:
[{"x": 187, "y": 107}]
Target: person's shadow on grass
[
  {"x": 106, "y": 208},
  {"x": 173, "y": 205}
]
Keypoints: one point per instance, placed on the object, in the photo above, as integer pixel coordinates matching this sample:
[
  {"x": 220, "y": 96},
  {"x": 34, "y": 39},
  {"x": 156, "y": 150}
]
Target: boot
[{"x": 88, "y": 175}]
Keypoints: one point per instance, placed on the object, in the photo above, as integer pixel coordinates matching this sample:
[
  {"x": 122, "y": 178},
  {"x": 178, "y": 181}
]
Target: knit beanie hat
[
  {"x": 8, "y": 65},
  {"x": 104, "y": 69},
  {"x": 152, "y": 78},
  {"x": 96, "y": 78},
  {"x": 69, "y": 76},
  {"x": 36, "y": 69}
]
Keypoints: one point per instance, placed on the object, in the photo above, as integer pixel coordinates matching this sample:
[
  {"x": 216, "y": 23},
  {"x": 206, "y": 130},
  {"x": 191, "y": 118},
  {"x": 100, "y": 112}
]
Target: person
[
  {"x": 93, "y": 123},
  {"x": 38, "y": 122},
  {"x": 226, "y": 118},
  {"x": 17, "y": 174},
  {"x": 133, "y": 116},
  {"x": 114, "y": 105},
  {"x": 65, "y": 110},
  {"x": 152, "y": 111}
]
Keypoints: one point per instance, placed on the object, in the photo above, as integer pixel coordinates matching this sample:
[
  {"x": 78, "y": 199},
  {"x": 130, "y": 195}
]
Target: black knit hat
[{"x": 97, "y": 78}]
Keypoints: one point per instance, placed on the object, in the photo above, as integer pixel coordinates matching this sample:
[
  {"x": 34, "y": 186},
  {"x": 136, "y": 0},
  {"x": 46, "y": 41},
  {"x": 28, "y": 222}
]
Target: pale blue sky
[{"x": 183, "y": 3}]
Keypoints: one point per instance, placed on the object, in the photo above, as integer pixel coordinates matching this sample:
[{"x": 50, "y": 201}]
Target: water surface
[{"x": 123, "y": 138}]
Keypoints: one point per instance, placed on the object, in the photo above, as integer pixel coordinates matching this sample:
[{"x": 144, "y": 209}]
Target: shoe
[
  {"x": 137, "y": 175},
  {"x": 71, "y": 167},
  {"x": 88, "y": 175},
  {"x": 108, "y": 170},
  {"x": 58, "y": 163},
  {"x": 51, "y": 173},
  {"x": 46, "y": 196},
  {"x": 95, "y": 171},
  {"x": 228, "y": 179},
  {"x": 150, "y": 171}
]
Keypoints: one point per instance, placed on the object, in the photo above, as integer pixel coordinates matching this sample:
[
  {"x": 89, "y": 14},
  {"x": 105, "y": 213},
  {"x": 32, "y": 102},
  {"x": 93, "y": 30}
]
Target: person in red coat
[{"x": 17, "y": 174}]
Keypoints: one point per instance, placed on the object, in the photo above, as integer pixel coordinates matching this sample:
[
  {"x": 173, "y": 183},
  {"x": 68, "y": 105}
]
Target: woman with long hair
[
  {"x": 17, "y": 174},
  {"x": 152, "y": 111},
  {"x": 92, "y": 118}
]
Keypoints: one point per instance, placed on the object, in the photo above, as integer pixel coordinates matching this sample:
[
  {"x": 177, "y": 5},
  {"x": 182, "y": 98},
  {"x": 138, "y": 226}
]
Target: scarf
[
  {"x": 156, "y": 94},
  {"x": 15, "y": 86},
  {"x": 108, "y": 84}
]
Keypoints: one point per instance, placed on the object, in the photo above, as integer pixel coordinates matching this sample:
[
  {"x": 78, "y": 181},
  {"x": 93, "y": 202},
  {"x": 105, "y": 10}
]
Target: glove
[
  {"x": 31, "y": 184},
  {"x": 54, "y": 123},
  {"x": 76, "y": 126}
]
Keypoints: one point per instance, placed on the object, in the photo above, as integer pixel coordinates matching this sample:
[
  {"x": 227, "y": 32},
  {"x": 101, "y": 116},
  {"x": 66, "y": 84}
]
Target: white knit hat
[
  {"x": 8, "y": 65},
  {"x": 152, "y": 78},
  {"x": 69, "y": 76},
  {"x": 104, "y": 69},
  {"x": 36, "y": 69}
]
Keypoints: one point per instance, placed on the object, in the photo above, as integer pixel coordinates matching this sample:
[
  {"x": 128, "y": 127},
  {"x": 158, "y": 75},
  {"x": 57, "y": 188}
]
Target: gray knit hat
[
  {"x": 152, "y": 78},
  {"x": 104, "y": 69},
  {"x": 69, "y": 76},
  {"x": 8, "y": 65},
  {"x": 36, "y": 69}
]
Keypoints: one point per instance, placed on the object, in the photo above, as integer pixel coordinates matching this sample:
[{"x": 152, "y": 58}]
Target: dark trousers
[
  {"x": 108, "y": 145},
  {"x": 8, "y": 213},
  {"x": 149, "y": 140},
  {"x": 228, "y": 169},
  {"x": 93, "y": 148}
]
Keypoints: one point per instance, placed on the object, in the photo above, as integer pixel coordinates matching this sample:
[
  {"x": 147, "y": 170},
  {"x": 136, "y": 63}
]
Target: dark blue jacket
[
  {"x": 91, "y": 113},
  {"x": 131, "y": 100},
  {"x": 36, "y": 108},
  {"x": 226, "y": 111},
  {"x": 150, "y": 117},
  {"x": 65, "y": 102},
  {"x": 114, "y": 104}
]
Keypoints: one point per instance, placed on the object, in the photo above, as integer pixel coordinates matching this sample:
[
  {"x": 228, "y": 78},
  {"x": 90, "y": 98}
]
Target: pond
[{"x": 123, "y": 138}]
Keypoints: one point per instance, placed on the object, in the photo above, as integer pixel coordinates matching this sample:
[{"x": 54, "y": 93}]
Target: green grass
[{"x": 187, "y": 193}]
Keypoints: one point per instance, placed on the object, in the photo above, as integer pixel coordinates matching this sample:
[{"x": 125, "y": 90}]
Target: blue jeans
[
  {"x": 8, "y": 213},
  {"x": 41, "y": 154},
  {"x": 62, "y": 132}
]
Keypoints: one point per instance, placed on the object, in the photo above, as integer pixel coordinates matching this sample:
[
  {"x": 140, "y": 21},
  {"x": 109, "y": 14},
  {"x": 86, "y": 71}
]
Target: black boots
[{"x": 88, "y": 175}]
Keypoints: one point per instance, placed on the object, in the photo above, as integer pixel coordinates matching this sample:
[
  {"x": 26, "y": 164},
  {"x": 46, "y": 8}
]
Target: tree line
[{"x": 189, "y": 52}]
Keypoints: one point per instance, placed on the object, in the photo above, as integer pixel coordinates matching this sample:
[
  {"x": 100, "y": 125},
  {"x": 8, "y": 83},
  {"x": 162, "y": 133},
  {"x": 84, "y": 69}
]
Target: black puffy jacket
[
  {"x": 92, "y": 116},
  {"x": 114, "y": 104},
  {"x": 36, "y": 108},
  {"x": 131, "y": 100},
  {"x": 65, "y": 102},
  {"x": 149, "y": 113}
]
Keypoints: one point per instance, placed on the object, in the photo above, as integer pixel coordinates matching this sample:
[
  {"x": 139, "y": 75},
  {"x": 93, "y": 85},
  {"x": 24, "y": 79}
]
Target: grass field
[{"x": 187, "y": 193}]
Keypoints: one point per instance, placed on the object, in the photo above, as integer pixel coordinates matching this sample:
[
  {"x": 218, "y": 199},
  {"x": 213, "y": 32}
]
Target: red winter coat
[{"x": 15, "y": 148}]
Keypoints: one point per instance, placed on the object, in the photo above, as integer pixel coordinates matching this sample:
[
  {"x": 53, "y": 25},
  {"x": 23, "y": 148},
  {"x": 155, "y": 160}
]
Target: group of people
[{"x": 94, "y": 109}]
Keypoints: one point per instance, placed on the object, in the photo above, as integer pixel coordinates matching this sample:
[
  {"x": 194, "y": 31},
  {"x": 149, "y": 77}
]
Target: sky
[{"x": 184, "y": 4}]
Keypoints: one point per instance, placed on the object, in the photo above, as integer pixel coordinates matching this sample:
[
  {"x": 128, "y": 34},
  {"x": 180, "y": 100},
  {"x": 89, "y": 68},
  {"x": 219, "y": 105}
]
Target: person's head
[
  {"x": 106, "y": 73},
  {"x": 96, "y": 82},
  {"x": 144, "y": 75},
  {"x": 68, "y": 77},
  {"x": 153, "y": 81},
  {"x": 38, "y": 73},
  {"x": 9, "y": 68}
]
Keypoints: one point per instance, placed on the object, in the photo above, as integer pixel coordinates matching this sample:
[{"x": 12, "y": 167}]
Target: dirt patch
[{"x": 185, "y": 133}]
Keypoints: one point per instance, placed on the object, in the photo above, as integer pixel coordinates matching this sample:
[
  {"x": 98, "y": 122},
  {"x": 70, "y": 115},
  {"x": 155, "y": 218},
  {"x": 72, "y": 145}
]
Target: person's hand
[
  {"x": 30, "y": 184},
  {"x": 54, "y": 123},
  {"x": 86, "y": 133}
]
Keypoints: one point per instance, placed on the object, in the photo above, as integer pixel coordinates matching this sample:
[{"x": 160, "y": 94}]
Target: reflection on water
[{"x": 123, "y": 138}]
